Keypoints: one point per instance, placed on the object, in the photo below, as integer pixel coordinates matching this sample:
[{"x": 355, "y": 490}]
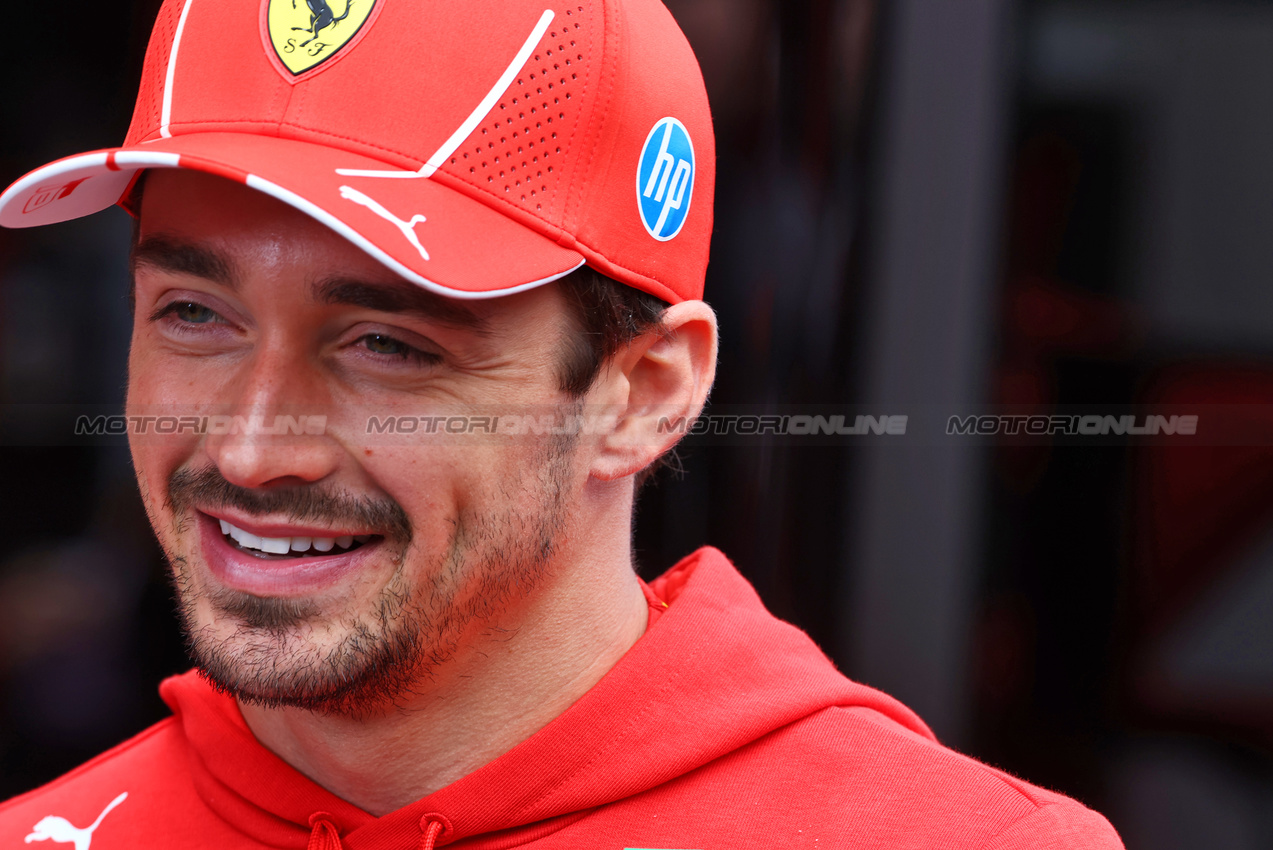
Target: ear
[{"x": 659, "y": 378}]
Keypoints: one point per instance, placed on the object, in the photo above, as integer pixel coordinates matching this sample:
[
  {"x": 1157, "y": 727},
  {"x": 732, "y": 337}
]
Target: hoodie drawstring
[
  {"x": 432, "y": 826},
  {"x": 324, "y": 835}
]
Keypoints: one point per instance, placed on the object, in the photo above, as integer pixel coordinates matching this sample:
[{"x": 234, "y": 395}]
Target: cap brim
[{"x": 425, "y": 231}]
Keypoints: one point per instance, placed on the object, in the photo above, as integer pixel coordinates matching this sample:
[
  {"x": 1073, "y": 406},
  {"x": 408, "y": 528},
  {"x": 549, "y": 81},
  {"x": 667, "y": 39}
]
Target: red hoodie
[{"x": 722, "y": 727}]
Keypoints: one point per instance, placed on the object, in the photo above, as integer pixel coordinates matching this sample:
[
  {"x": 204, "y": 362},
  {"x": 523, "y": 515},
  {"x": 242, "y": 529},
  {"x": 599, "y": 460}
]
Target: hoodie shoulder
[
  {"x": 901, "y": 788},
  {"x": 108, "y": 798},
  {"x": 139, "y": 755},
  {"x": 1060, "y": 825}
]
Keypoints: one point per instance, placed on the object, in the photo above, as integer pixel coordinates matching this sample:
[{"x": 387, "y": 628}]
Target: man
[{"x": 369, "y": 236}]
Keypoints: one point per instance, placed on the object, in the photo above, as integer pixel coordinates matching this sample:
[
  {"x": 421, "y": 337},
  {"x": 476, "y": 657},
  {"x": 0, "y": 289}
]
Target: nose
[{"x": 273, "y": 432}]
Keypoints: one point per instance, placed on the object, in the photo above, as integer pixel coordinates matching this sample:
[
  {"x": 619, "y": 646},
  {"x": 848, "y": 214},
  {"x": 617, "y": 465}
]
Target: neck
[{"x": 508, "y": 680}]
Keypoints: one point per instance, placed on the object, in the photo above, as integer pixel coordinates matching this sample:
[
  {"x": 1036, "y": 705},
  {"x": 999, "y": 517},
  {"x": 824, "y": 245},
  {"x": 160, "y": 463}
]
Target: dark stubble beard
[{"x": 387, "y": 654}]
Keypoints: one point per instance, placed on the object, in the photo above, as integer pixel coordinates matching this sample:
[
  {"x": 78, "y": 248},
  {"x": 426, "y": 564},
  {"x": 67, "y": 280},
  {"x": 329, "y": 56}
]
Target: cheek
[
  {"x": 439, "y": 482},
  {"x": 183, "y": 384},
  {"x": 156, "y": 455},
  {"x": 425, "y": 480}
]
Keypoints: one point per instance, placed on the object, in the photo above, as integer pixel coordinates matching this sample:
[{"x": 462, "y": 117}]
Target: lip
[
  {"x": 294, "y": 577},
  {"x": 253, "y": 527}
]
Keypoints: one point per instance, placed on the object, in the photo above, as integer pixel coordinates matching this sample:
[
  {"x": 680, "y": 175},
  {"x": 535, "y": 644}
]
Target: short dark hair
[{"x": 608, "y": 317}]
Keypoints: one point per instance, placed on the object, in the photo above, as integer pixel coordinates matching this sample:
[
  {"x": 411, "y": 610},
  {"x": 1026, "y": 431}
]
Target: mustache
[{"x": 208, "y": 488}]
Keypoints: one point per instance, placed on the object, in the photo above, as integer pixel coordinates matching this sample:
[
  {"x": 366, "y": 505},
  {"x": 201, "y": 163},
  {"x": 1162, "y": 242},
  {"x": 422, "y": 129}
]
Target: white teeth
[
  {"x": 276, "y": 545},
  {"x": 283, "y": 545}
]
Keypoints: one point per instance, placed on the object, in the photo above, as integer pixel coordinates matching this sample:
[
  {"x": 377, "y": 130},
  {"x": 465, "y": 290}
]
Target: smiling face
[{"x": 333, "y": 569}]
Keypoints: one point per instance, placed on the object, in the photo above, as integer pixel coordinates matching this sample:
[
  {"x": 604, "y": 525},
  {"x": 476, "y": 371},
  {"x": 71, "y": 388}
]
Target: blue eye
[
  {"x": 189, "y": 311},
  {"x": 395, "y": 349},
  {"x": 381, "y": 344}
]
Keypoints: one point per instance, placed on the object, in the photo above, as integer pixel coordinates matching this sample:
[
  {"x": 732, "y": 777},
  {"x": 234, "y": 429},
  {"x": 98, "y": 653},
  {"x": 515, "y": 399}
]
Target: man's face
[{"x": 399, "y": 549}]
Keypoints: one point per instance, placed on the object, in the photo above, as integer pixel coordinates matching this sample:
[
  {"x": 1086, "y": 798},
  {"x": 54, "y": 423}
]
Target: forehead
[{"x": 192, "y": 206}]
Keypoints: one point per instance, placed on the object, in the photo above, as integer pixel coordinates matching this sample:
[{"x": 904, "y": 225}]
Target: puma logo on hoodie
[{"x": 63, "y": 832}]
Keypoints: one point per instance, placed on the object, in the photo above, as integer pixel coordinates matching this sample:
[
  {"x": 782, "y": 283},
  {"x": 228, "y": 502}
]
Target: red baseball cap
[{"x": 477, "y": 148}]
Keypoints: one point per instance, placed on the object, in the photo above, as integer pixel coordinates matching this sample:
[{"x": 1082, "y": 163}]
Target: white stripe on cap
[
  {"x": 470, "y": 124},
  {"x": 166, "y": 116}
]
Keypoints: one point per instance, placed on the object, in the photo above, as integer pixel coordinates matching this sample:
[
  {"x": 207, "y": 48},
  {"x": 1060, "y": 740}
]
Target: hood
[{"x": 713, "y": 673}]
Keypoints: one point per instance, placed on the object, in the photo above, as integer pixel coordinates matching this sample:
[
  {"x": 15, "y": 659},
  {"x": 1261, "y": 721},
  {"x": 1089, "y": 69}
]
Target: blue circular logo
[{"x": 665, "y": 179}]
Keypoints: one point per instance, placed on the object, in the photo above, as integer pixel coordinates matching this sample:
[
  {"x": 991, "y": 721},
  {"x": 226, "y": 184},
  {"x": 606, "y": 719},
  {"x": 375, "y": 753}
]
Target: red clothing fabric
[{"x": 722, "y": 727}]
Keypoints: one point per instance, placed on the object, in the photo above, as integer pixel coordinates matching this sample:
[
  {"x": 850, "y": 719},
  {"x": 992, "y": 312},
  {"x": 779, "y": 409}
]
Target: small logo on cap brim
[
  {"x": 665, "y": 179},
  {"x": 306, "y": 33},
  {"x": 46, "y": 195}
]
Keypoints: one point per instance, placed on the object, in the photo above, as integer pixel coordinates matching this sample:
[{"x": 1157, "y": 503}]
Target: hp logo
[{"x": 665, "y": 179}]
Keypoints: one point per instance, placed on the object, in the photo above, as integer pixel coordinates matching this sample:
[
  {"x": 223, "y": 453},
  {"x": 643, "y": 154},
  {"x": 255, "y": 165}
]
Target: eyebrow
[
  {"x": 179, "y": 257},
  {"x": 397, "y": 297}
]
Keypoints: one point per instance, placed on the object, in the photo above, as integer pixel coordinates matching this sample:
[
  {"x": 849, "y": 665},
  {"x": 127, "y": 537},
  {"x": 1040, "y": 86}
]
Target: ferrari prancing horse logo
[{"x": 306, "y": 33}]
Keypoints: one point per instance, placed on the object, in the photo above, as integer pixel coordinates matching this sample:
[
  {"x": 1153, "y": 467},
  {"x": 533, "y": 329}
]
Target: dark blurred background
[{"x": 922, "y": 205}]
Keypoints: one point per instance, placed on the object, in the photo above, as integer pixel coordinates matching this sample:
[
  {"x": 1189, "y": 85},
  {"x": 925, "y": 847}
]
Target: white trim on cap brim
[
  {"x": 321, "y": 215},
  {"x": 96, "y": 165},
  {"x": 95, "y": 197}
]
